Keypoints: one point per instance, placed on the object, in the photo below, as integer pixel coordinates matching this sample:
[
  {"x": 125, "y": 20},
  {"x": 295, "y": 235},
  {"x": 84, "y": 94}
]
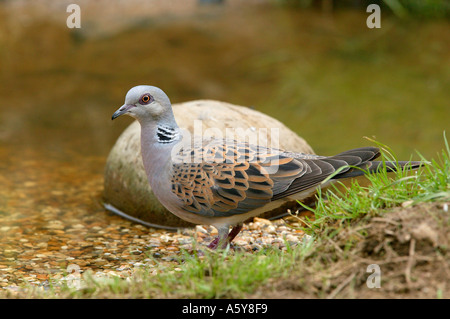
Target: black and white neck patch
[{"x": 166, "y": 134}]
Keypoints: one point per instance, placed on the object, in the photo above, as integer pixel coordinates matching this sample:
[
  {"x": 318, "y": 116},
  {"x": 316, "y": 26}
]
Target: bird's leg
[
  {"x": 214, "y": 243},
  {"x": 220, "y": 239},
  {"x": 233, "y": 233},
  {"x": 224, "y": 238}
]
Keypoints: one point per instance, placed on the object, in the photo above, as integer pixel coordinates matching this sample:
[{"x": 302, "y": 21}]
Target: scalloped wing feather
[{"x": 224, "y": 178}]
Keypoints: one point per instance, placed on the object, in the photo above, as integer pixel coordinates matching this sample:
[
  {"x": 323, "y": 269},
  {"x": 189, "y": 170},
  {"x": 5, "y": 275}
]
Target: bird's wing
[
  {"x": 223, "y": 178},
  {"x": 321, "y": 167}
]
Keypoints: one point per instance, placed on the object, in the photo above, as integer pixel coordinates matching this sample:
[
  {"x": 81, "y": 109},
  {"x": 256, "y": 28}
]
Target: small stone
[
  {"x": 183, "y": 241},
  {"x": 29, "y": 184},
  {"x": 292, "y": 239},
  {"x": 407, "y": 203},
  {"x": 55, "y": 225},
  {"x": 165, "y": 238},
  {"x": 262, "y": 221},
  {"x": 200, "y": 229},
  {"x": 271, "y": 229}
]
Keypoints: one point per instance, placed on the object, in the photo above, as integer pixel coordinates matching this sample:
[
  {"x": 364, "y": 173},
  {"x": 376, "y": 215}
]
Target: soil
[{"x": 410, "y": 245}]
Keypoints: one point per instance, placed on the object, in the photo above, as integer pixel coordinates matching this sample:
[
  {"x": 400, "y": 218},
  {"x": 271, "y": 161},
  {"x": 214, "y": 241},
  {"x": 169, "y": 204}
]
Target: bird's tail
[{"x": 376, "y": 166}]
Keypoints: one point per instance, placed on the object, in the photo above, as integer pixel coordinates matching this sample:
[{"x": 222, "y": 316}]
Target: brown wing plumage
[{"x": 224, "y": 178}]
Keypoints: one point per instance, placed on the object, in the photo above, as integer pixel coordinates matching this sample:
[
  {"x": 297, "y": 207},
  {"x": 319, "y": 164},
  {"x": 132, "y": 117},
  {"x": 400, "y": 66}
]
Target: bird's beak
[{"x": 122, "y": 110}]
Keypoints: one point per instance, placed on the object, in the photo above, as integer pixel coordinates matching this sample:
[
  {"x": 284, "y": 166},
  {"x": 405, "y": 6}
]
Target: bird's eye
[{"x": 145, "y": 99}]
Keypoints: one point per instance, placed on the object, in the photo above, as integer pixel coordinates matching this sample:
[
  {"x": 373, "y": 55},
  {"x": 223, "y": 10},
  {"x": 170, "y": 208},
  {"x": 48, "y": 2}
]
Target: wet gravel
[
  {"x": 116, "y": 248},
  {"x": 52, "y": 223}
]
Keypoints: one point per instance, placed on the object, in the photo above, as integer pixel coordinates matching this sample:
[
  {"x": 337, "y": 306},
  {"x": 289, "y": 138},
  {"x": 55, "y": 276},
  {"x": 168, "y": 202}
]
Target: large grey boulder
[{"x": 126, "y": 190}]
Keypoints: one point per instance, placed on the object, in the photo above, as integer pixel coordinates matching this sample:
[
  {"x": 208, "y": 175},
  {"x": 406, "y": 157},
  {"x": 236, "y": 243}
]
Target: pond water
[{"x": 326, "y": 76}]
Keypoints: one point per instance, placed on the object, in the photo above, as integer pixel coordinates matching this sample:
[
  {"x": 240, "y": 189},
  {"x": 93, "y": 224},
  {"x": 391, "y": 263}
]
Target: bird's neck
[
  {"x": 157, "y": 142},
  {"x": 166, "y": 134}
]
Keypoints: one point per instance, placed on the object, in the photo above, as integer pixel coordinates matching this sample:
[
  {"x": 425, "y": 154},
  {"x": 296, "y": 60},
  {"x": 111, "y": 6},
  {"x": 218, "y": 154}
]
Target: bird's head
[{"x": 145, "y": 102}]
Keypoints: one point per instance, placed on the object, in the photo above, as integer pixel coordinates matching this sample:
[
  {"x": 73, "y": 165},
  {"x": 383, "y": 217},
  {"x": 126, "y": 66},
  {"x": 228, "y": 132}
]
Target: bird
[{"x": 222, "y": 182}]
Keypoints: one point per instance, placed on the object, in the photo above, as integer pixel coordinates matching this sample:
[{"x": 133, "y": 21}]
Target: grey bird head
[{"x": 145, "y": 102}]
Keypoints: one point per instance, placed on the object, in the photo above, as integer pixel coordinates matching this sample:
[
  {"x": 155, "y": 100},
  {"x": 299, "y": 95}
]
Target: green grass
[
  {"x": 234, "y": 274},
  {"x": 385, "y": 190},
  {"x": 215, "y": 274}
]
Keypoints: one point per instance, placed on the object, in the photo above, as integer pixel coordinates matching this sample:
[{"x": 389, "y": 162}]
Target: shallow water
[{"x": 327, "y": 77}]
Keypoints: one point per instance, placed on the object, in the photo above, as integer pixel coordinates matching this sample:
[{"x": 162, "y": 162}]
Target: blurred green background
[{"x": 314, "y": 65}]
